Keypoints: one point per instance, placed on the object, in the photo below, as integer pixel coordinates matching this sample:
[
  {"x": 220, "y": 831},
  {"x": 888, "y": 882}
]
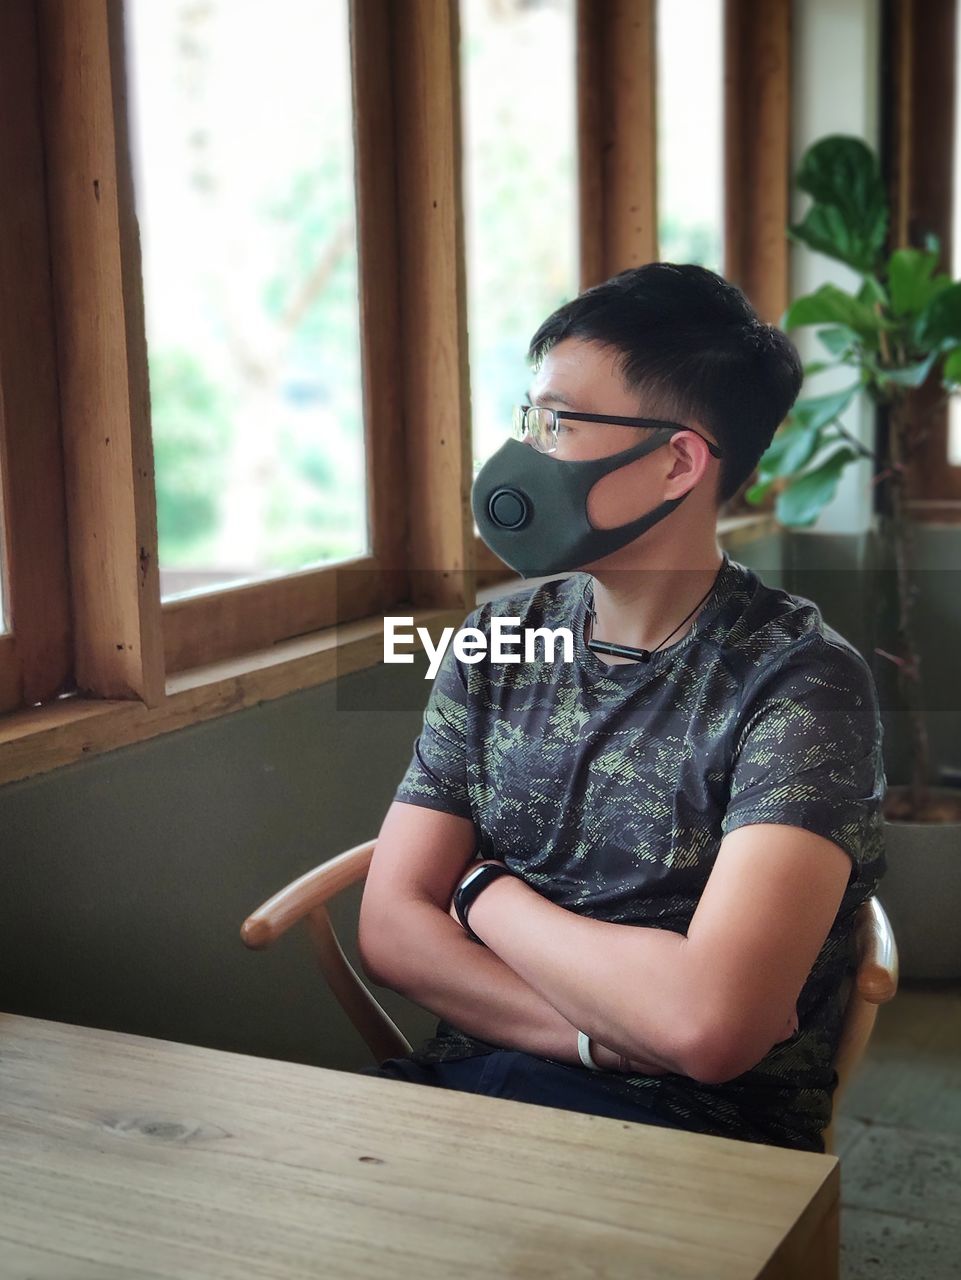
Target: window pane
[
  {"x": 243, "y": 170},
  {"x": 520, "y": 192},
  {"x": 690, "y": 109}
]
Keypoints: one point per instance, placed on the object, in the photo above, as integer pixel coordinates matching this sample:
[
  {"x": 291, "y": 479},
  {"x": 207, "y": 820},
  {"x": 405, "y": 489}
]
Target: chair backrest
[{"x": 875, "y": 981}]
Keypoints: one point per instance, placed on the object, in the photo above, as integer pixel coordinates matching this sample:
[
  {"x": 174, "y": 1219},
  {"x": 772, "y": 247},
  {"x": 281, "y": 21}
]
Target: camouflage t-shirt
[{"x": 609, "y": 787}]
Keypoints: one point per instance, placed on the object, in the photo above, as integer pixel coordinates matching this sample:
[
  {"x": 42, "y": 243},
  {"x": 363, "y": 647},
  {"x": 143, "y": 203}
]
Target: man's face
[{"x": 583, "y": 376}]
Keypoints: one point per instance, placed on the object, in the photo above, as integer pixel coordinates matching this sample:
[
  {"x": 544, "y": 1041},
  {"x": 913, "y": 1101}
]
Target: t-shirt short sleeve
[
  {"x": 808, "y": 751},
  {"x": 436, "y": 777}
]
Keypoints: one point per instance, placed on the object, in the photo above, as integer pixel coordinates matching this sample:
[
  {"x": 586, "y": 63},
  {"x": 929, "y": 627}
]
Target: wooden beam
[
  {"x": 899, "y": 20},
  {"x": 922, "y": 49},
  {"x": 240, "y": 619},
  {"x": 69, "y": 729},
  {"x": 617, "y": 136},
  {"x": 920, "y": 41},
  {"x": 757, "y": 151},
  {"x": 378, "y": 246},
  {"x": 105, "y": 406},
  {"x": 35, "y": 661},
  {"x": 433, "y": 305}
]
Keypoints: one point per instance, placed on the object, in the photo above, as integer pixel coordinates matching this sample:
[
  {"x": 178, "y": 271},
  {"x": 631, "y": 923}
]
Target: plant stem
[
  {"x": 862, "y": 449},
  {"x": 899, "y": 448}
]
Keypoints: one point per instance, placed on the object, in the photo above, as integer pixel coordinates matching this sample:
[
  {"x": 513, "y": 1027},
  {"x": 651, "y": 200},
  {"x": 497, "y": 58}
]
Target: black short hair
[{"x": 693, "y": 347}]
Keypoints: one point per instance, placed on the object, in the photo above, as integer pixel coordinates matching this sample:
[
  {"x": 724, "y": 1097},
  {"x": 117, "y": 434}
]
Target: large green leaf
[
  {"x": 817, "y": 411},
  {"x": 823, "y": 229},
  {"x": 912, "y": 281},
  {"x": 909, "y": 375},
  {"x": 759, "y": 491},
  {"x": 837, "y": 340},
  {"x": 872, "y": 292},
  {"x": 790, "y": 449},
  {"x": 831, "y": 305},
  {"x": 819, "y": 366},
  {"x": 940, "y": 321},
  {"x": 793, "y": 445},
  {"x": 849, "y": 218},
  {"x": 801, "y": 503},
  {"x": 842, "y": 170},
  {"x": 952, "y": 366}
]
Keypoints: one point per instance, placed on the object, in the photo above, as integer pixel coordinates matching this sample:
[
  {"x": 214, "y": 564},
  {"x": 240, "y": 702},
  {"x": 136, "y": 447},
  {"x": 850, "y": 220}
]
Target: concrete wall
[
  {"x": 847, "y": 576},
  {"x": 125, "y": 878}
]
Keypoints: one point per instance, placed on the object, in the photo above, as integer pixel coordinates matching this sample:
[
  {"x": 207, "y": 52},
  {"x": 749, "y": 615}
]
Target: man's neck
[{"x": 639, "y": 606}]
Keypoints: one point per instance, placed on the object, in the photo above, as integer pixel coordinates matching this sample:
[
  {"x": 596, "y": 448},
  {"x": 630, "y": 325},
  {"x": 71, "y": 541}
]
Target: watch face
[{"x": 471, "y": 877}]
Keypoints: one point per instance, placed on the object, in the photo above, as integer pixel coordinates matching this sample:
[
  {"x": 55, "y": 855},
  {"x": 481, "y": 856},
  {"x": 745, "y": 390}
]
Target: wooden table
[{"x": 123, "y": 1156}]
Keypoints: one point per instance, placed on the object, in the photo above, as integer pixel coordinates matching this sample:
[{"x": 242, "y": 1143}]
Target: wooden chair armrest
[
  {"x": 297, "y": 899},
  {"x": 306, "y": 899},
  {"x": 877, "y": 954}
]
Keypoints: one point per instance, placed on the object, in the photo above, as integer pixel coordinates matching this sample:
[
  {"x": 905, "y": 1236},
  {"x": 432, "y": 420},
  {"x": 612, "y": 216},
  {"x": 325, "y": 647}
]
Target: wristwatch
[{"x": 473, "y": 884}]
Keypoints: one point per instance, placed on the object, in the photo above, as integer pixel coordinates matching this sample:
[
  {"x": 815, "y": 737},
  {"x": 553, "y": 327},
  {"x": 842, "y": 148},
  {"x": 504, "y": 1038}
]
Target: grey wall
[
  {"x": 854, "y": 585},
  {"x": 124, "y": 878}
]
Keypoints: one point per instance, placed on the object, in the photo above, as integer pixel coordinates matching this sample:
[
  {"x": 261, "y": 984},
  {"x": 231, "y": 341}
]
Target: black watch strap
[{"x": 472, "y": 886}]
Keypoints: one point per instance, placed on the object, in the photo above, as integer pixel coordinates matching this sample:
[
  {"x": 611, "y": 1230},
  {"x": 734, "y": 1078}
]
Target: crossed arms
[{"x": 709, "y": 1004}]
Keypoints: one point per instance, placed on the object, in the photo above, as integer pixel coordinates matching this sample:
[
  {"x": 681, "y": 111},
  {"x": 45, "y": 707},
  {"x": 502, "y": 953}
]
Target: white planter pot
[{"x": 921, "y": 893}]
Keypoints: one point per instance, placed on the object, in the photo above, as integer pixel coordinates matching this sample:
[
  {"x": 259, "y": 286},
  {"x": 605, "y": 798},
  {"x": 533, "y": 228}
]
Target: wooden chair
[
  {"x": 306, "y": 898},
  {"x": 875, "y": 983}
]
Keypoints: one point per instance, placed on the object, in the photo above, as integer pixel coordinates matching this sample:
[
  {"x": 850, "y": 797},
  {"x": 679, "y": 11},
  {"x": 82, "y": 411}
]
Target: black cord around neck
[{"x": 626, "y": 651}]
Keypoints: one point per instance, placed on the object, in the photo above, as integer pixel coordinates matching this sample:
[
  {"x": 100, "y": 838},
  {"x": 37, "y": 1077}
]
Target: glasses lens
[{"x": 540, "y": 423}]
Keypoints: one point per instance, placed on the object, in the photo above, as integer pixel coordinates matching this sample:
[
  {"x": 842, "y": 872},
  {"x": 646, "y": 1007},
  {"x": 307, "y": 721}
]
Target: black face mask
[{"x": 531, "y": 508}]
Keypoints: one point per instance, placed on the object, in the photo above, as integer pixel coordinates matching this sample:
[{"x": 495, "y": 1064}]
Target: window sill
[{"x": 38, "y": 739}]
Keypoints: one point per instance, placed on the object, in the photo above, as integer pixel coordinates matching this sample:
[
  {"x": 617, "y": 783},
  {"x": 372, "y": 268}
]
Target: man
[{"x": 682, "y": 821}]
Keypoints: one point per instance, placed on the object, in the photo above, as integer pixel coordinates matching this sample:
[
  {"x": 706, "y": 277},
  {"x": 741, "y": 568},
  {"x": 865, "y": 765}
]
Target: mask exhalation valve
[{"x": 508, "y": 508}]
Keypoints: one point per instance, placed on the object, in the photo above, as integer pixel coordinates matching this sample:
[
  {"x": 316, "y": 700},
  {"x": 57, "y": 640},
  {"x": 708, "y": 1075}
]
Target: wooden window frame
[
  {"x": 82, "y": 575},
  {"x": 757, "y": 151},
  {"x": 616, "y": 155},
  {"x": 35, "y": 655},
  {"x": 617, "y": 161},
  {"x": 757, "y": 168},
  {"x": 413, "y": 344},
  {"x": 414, "y": 410},
  {"x": 918, "y": 55}
]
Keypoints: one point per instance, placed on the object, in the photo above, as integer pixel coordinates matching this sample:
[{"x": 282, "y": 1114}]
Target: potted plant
[{"x": 898, "y": 338}]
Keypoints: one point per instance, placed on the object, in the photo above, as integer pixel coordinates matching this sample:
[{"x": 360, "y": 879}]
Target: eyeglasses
[{"x": 541, "y": 425}]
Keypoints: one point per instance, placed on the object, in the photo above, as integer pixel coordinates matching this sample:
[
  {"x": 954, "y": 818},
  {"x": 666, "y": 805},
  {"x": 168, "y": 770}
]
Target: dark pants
[{"x": 509, "y": 1073}]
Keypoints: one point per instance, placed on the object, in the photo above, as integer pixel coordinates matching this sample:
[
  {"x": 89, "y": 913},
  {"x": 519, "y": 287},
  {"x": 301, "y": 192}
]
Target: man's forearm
[
  {"x": 433, "y": 963},
  {"x": 632, "y": 988}
]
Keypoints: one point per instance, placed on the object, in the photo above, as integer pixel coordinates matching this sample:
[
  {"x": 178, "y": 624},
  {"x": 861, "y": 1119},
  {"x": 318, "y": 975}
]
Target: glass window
[
  {"x": 520, "y": 192},
  {"x": 690, "y": 112},
  {"x": 241, "y": 132}
]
